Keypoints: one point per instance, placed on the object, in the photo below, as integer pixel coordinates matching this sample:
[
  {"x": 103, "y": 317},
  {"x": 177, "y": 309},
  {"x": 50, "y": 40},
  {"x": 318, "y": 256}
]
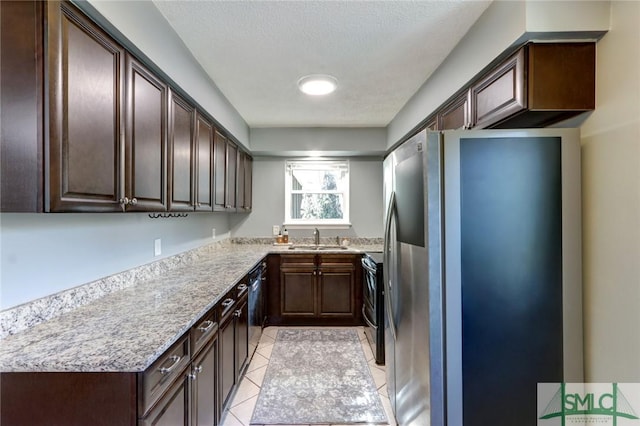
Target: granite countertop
[{"x": 127, "y": 330}]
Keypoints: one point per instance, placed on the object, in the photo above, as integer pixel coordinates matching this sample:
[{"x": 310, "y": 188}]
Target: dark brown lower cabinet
[
  {"x": 242, "y": 336},
  {"x": 321, "y": 289},
  {"x": 227, "y": 356},
  {"x": 203, "y": 386},
  {"x": 173, "y": 407}
]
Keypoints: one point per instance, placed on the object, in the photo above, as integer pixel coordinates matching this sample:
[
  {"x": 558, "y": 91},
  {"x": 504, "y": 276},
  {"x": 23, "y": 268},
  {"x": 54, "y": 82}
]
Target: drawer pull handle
[
  {"x": 242, "y": 287},
  {"x": 227, "y": 303},
  {"x": 238, "y": 313},
  {"x": 205, "y": 328},
  {"x": 166, "y": 370}
]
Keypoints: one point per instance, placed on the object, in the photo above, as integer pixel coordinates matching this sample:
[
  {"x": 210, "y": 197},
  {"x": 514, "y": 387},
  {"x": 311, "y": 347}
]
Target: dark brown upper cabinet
[
  {"x": 455, "y": 115},
  {"x": 245, "y": 172},
  {"x": 204, "y": 164},
  {"x": 181, "y": 154},
  {"x": 146, "y": 140},
  {"x": 539, "y": 85},
  {"x": 231, "y": 179},
  {"x": 225, "y": 174},
  {"x": 86, "y": 129},
  {"x": 21, "y": 109}
]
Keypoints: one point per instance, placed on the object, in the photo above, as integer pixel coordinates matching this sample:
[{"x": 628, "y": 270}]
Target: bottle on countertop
[
  {"x": 285, "y": 235},
  {"x": 279, "y": 238}
]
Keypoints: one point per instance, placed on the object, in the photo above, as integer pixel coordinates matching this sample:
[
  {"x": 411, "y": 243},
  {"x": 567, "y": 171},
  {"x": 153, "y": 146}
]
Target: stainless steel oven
[{"x": 373, "y": 303}]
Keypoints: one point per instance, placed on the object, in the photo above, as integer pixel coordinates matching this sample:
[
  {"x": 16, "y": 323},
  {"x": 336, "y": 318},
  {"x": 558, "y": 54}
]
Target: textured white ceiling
[{"x": 381, "y": 52}]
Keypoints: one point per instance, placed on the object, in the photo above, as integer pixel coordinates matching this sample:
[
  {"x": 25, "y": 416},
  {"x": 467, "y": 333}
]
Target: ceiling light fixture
[{"x": 317, "y": 84}]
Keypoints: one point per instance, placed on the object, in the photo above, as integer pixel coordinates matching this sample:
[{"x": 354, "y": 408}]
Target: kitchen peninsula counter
[{"x": 128, "y": 329}]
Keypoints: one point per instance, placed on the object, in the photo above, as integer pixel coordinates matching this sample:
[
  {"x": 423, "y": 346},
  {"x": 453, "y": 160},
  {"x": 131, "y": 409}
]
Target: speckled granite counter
[{"x": 126, "y": 331}]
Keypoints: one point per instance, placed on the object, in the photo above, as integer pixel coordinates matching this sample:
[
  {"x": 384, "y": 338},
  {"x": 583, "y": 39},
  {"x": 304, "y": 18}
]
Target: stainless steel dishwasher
[{"x": 257, "y": 277}]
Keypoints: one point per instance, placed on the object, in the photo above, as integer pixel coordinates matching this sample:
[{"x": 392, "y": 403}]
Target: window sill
[{"x": 317, "y": 225}]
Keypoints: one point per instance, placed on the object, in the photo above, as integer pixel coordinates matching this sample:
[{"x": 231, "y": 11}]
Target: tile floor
[{"x": 241, "y": 407}]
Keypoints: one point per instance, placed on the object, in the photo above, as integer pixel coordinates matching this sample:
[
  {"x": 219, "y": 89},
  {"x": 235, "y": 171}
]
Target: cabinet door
[
  {"x": 456, "y": 114},
  {"x": 248, "y": 183},
  {"x": 173, "y": 408},
  {"x": 181, "y": 154},
  {"x": 227, "y": 370},
  {"x": 204, "y": 164},
  {"x": 297, "y": 291},
  {"x": 240, "y": 183},
  {"x": 86, "y": 68},
  {"x": 21, "y": 106},
  {"x": 336, "y": 290},
  {"x": 242, "y": 336},
  {"x": 231, "y": 179},
  {"x": 500, "y": 94},
  {"x": 204, "y": 385},
  {"x": 220, "y": 171},
  {"x": 146, "y": 139}
]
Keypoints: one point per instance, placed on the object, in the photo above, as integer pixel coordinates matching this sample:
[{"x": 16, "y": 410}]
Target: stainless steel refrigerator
[{"x": 482, "y": 274}]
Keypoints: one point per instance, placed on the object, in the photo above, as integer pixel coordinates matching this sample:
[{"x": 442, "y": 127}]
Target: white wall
[
  {"x": 368, "y": 141},
  {"x": 268, "y": 201},
  {"x": 42, "y": 254},
  {"x": 611, "y": 205}
]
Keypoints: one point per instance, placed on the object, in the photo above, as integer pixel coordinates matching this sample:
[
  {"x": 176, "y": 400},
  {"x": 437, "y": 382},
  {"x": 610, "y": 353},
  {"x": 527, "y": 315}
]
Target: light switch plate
[
  {"x": 276, "y": 229},
  {"x": 213, "y": 233},
  {"x": 157, "y": 247}
]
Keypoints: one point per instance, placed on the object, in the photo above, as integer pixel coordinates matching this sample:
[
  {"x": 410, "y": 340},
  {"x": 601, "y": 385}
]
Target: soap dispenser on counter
[{"x": 285, "y": 235}]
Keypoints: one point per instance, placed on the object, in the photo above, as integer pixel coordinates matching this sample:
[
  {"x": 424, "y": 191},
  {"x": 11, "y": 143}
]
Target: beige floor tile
[
  {"x": 258, "y": 361},
  {"x": 361, "y": 335},
  {"x": 382, "y": 390},
  {"x": 246, "y": 390},
  {"x": 270, "y": 331},
  {"x": 244, "y": 411},
  {"x": 231, "y": 420},
  {"x": 379, "y": 376},
  {"x": 257, "y": 375},
  {"x": 387, "y": 409},
  {"x": 373, "y": 364},
  {"x": 368, "y": 355},
  {"x": 265, "y": 349},
  {"x": 266, "y": 339}
]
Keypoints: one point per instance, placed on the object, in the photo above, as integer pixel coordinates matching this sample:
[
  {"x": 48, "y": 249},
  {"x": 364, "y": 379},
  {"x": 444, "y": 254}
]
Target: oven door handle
[
  {"x": 366, "y": 266},
  {"x": 366, "y": 319}
]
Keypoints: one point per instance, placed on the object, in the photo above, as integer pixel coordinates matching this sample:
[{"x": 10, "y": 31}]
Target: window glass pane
[
  {"x": 318, "y": 180},
  {"x": 317, "y": 206}
]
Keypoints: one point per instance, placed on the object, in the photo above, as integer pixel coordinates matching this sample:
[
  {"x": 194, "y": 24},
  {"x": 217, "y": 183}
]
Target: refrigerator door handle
[{"x": 391, "y": 211}]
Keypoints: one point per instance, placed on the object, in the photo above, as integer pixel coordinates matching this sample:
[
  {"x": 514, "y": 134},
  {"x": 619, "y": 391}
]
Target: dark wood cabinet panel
[
  {"x": 70, "y": 399},
  {"x": 86, "y": 70},
  {"x": 227, "y": 359},
  {"x": 539, "y": 85},
  {"x": 322, "y": 289},
  {"x": 181, "y": 163},
  {"x": 21, "y": 107},
  {"x": 231, "y": 178},
  {"x": 204, "y": 164},
  {"x": 173, "y": 408},
  {"x": 455, "y": 115},
  {"x": 146, "y": 139},
  {"x": 220, "y": 171},
  {"x": 248, "y": 183},
  {"x": 298, "y": 292},
  {"x": 204, "y": 386},
  {"x": 240, "y": 184}
]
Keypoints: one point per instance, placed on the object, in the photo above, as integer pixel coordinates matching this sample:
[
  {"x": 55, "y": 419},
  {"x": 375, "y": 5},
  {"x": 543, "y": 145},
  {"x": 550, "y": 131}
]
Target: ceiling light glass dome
[{"x": 317, "y": 84}]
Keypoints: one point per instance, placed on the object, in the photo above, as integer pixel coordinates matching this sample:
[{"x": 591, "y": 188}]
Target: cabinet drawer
[
  {"x": 203, "y": 331},
  {"x": 298, "y": 260},
  {"x": 162, "y": 373},
  {"x": 338, "y": 261}
]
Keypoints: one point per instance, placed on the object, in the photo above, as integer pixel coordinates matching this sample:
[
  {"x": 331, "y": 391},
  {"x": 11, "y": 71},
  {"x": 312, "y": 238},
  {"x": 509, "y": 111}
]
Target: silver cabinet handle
[
  {"x": 166, "y": 370},
  {"x": 198, "y": 369},
  {"x": 319, "y": 272},
  {"x": 124, "y": 201},
  {"x": 205, "y": 328},
  {"x": 238, "y": 313},
  {"x": 133, "y": 201},
  {"x": 227, "y": 303},
  {"x": 242, "y": 287}
]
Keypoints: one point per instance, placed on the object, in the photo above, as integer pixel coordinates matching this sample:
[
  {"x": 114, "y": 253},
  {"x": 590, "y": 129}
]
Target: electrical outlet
[
  {"x": 276, "y": 229},
  {"x": 157, "y": 247},
  {"x": 213, "y": 233}
]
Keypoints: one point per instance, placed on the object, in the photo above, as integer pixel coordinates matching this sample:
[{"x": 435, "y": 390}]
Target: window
[{"x": 317, "y": 192}]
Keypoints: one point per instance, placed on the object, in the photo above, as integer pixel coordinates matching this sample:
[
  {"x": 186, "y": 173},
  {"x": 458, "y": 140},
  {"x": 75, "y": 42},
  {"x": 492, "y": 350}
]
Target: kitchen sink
[{"x": 317, "y": 247}]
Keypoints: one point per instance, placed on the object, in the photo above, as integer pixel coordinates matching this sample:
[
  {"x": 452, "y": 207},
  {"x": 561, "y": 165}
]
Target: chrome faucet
[{"x": 316, "y": 236}]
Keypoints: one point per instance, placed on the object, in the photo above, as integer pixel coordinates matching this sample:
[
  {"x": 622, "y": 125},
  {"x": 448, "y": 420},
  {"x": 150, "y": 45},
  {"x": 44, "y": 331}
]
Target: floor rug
[{"x": 318, "y": 376}]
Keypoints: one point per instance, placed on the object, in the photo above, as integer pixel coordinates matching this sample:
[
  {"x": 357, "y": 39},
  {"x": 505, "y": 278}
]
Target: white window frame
[{"x": 288, "y": 191}]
